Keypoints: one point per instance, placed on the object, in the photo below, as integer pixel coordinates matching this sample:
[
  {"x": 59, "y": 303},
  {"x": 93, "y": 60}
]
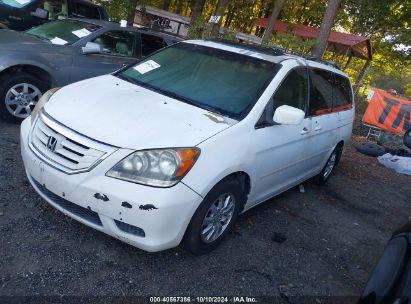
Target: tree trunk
[
  {"x": 361, "y": 76},
  {"x": 326, "y": 25},
  {"x": 220, "y": 12},
  {"x": 197, "y": 11},
  {"x": 179, "y": 7},
  {"x": 166, "y": 5},
  {"x": 131, "y": 11},
  {"x": 230, "y": 14},
  {"x": 278, "y": 5}
]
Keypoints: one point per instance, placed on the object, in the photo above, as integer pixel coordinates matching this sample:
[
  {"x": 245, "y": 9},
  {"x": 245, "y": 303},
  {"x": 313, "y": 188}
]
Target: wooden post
[{"x": 348, "y": 61}]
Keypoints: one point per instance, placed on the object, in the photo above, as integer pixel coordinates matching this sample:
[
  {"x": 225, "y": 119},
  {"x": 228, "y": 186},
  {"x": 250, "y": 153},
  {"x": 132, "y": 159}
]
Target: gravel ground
[{"x": 319, "y": 243}]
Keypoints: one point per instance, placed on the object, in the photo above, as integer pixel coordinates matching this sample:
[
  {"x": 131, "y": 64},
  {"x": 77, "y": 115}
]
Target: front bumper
[{"x": 149, "y": 218}]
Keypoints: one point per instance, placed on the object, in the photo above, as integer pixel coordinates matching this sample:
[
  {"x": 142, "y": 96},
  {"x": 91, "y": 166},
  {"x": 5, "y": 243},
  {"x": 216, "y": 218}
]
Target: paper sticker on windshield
[
  {"x": 147, "y": 66},
  {"x": 58, "y": 41},
  {"x": 81, "y": 33}
]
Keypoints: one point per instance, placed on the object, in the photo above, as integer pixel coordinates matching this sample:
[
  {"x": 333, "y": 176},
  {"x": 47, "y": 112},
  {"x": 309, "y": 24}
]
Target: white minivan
[{"x": 173, "y": 149}]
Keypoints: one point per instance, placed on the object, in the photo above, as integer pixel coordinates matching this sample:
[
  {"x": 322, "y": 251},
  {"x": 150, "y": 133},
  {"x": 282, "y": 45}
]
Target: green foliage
[
  {"x": 198, "y": 29},
  {"x": 292, "y": 43},
  {"x": 115, "y": 9},
  {"x": 202, "y": 30}
]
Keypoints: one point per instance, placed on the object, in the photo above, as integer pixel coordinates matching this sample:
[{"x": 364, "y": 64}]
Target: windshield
[
  {"x": 16, "y": 3},
  {"x": 64, "y": 31},
  {"x": 213, "y": 79}
]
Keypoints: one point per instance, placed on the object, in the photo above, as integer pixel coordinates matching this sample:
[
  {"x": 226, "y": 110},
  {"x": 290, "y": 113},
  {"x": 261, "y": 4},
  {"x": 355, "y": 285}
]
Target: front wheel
[
  {"x": 214, "y": 218},
  {"x": 19, "y": 93},
  {"x": 330, "y": 166}
]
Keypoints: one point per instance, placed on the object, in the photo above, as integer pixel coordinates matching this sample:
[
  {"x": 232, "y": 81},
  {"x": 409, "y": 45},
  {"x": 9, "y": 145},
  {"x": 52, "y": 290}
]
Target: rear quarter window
[
  {"x": 150, "y": 44},
  {"x": 342, "y": 93}
]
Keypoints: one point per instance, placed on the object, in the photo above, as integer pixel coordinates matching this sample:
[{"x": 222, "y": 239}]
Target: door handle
[{"x": 305, "y": 131}]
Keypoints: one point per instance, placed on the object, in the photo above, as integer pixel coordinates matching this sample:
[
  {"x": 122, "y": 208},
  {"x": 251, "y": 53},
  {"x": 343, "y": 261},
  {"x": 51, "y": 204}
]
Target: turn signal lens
[{"x": 188, "y": 158}]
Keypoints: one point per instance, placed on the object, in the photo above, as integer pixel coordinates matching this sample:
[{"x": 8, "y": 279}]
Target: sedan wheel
[
  {"x": 21, "y": 99},
  {"x": 19, "y": 93}
]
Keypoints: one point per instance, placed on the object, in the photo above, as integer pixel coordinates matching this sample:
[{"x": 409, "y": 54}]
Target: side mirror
[
  {"x": 40, "y": 13},
  {"x": 287, "y": 115},
  {"x": 92, "y": 48},
  {"x": 407, "y": 139}
]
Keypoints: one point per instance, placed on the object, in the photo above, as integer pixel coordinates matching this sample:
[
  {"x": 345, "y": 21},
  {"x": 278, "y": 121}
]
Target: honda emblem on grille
[{"x": 52, "y": 143}]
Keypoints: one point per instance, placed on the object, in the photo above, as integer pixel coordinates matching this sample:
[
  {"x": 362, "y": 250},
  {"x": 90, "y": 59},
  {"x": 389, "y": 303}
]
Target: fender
[{"x": 37, "y": 65}]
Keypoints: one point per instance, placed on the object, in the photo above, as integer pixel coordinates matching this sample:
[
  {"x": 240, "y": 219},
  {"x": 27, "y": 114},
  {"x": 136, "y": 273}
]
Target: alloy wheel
[
  {"x": 330, "y": 165},
  {"x": 21, "y": 99},
  {"x": 218, "y": 217}
]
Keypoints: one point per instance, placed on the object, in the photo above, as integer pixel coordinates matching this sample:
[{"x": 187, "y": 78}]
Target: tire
[
  {"x": 407, "y": 139},
  {"x": 327, "y": 171},
  {"x": 194, "y": 240},
  {"x": 370, "y": 149},
  {"x": 29, "y": 90}
]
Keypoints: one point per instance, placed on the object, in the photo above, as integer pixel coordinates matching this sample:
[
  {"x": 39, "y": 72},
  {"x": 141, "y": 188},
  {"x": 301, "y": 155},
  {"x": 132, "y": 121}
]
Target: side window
[
  {"x": 293, "y": 91},
  {"x": 86, "y": 11},
  {"x": 321, "y": 92},
  {"x": 118, "y": 43},
  {"x": 150, "y": 44},
  {"x": 56, "y": 8},
  {"x": 342, "y": 93}
]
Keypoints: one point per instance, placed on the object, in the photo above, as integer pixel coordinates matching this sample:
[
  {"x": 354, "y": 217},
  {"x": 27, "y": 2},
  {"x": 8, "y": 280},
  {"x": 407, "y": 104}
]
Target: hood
[
  {"x": 19, "y": 40},
  {"x": 125, "y": 115}
]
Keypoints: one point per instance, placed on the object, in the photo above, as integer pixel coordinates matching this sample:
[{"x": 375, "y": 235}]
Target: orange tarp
[{"x": 388, "y": 112}]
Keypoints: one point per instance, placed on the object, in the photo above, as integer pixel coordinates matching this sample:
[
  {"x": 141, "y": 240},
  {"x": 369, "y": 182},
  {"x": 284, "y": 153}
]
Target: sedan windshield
[
  {"x": 210, "y": 78},
  {"x": 64, "y": 31},
  {"x": 16, "y": 3}
]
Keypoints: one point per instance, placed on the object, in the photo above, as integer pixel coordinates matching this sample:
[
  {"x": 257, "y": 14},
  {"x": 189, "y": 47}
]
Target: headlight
[
  {"x": 43, "y": 100},
  {"x": 158, "y": 167}
]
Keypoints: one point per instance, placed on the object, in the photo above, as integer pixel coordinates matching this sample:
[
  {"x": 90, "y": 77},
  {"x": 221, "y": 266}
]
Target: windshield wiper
[
  {"x": 126, "y": 78},
  {"x": 38, "y": 36}
]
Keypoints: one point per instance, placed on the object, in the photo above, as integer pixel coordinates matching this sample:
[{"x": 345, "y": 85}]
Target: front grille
[
  {"x": 63, "y": 148},
  {"x": 130, "y": 229},
  {"x": 82, "y": 212}
]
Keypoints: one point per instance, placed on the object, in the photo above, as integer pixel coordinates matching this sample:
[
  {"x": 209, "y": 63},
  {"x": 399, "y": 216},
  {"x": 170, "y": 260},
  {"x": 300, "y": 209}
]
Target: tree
[
  {"x": 278, "y": 5},
  {"x": 220, "y": 12},
  {"x": 197, "y": 11},
  {"x": 131, "y": 11},
  {"x": 325, "y": 29}
]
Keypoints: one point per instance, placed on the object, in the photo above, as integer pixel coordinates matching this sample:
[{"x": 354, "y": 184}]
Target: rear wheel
[
  {"x": 330, "y": 166},
  {"x": 19, "y": 93},
  {"x": 214, "y": 218}
]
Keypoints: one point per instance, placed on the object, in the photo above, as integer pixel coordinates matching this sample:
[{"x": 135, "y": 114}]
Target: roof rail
[
  {"x": 268, "y": 50},
  {"x": 274, "y": 50},
  {"x": 326, "y": 62}
]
